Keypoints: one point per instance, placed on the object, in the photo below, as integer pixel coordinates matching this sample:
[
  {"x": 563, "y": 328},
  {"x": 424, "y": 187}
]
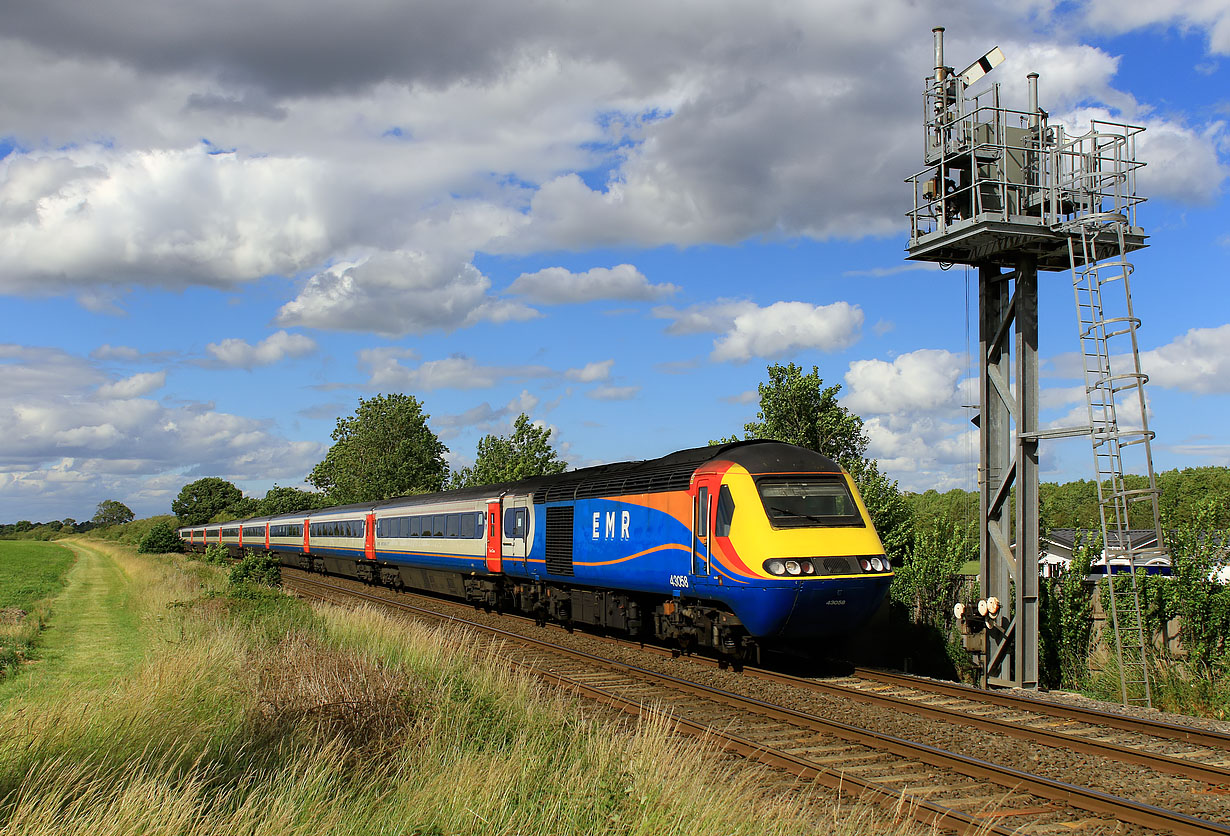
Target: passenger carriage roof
[{"x": 671, "y": 472}]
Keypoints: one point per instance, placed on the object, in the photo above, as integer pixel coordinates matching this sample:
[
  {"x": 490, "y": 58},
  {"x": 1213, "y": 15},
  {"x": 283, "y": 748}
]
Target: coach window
[{"x": 725, "y": 512}]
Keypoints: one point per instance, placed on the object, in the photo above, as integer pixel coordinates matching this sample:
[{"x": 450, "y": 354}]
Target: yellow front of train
[{"x": 798, "y": 547}]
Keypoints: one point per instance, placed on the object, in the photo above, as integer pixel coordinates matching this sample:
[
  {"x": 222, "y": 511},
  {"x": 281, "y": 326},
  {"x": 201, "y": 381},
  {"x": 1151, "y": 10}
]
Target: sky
[{"x": 222, "y": 224}]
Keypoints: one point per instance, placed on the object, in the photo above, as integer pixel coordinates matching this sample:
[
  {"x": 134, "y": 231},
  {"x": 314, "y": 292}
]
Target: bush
[
  {"x": 260, "y": 569},
  {"x": 134, "y": 532},
  {"x": 160, "y": 539},
  {"x": 215, "y": 554}
]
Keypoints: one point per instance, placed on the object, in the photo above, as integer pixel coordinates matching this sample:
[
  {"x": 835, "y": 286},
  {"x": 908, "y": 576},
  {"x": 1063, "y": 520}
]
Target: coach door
[
  {"x": 369, "y": 537},
  {"x": 495, "y": 562},
  {"x": 702, "y": 525}
]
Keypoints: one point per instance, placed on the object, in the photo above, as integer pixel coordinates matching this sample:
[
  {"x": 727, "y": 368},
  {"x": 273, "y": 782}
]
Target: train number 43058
[{"x": 679, "y": 581}]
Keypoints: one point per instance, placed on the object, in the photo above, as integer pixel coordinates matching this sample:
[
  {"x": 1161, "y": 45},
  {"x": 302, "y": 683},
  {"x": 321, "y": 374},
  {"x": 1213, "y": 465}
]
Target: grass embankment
[
  {"x": 30, "y": 574},
  {"x": 244, "y": 711}
]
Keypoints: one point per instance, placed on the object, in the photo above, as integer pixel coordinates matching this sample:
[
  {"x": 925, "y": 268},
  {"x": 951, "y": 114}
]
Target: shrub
[
  {"x": 215, "y": 554},
  {"x": 261, "y": 569},
  {"x": 160, "y": 539}
]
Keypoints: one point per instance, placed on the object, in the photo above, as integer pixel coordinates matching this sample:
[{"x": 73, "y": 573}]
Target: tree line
[
  {"x": 1186, "y": 495},
  {"x": 387, "y": 449},
  {"x": 384, "y": 450}
]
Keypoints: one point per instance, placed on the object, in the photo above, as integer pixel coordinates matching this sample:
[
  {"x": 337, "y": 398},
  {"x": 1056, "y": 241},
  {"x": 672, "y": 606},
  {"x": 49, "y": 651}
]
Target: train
[{"x": 730, "y": 549}]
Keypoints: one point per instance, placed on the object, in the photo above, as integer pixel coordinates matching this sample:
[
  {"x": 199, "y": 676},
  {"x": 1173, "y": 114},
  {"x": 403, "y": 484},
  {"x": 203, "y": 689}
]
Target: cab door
[
  {"x": 704, "y": 500},
  {"x": 515, "y": 529}
]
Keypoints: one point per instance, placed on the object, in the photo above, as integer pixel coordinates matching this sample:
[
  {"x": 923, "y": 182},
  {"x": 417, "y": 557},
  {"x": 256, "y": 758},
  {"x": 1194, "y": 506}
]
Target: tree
[
  {"x": 113, "y": 512},
  {"x": 289, "y": 500},
  {"x": 240, "y": 509},
  {"x": 199, "y": 501},
  {"x": 384, "y": 450},
  {"x": 799, "y": 409},
  {"x": 160, "y": 539},
  {"x": 525, "y": 453},
  {"x": 889, "y": 509}
]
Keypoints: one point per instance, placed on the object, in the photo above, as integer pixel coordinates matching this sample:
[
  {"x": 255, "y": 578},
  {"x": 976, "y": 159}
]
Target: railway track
[{"x": 936, "y": 786}]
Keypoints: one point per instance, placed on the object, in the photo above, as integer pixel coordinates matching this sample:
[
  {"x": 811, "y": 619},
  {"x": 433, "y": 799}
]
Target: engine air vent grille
[
  {"x": 559, "y": 540},
  {"x": 660, "y": 481}
]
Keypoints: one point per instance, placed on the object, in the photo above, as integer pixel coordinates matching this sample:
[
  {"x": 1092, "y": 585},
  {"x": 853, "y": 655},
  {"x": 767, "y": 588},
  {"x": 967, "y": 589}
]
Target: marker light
[
  {"x": 877, "y": 564},
  {"x": 793, "y": 567}
]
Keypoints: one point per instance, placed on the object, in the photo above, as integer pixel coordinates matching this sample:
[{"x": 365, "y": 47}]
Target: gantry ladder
[{"x": 1119, "y": 422}]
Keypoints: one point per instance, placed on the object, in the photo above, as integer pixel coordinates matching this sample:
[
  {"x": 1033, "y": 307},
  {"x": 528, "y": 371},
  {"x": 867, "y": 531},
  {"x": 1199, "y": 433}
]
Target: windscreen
[{"x": 802, "y": 501}]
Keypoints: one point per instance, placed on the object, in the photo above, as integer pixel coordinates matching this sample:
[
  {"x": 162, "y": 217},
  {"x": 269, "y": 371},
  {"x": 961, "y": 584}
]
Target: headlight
[
  {"x": 793, "y": 567},
  {"x": 775, "y": 567}
]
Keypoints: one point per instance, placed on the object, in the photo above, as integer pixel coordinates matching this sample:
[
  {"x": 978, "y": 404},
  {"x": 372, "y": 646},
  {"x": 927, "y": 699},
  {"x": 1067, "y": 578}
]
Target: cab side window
[
  {"x": 725, "y": 513},
  {"x": 516, "y": 523}
]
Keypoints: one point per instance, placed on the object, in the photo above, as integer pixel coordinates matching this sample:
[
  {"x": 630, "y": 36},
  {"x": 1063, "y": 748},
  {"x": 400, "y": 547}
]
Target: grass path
[{"x": 94, "y": 635}]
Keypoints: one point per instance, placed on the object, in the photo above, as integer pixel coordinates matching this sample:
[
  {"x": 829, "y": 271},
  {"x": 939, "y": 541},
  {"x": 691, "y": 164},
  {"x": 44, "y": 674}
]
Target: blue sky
[{"x": 218, "y": 230}]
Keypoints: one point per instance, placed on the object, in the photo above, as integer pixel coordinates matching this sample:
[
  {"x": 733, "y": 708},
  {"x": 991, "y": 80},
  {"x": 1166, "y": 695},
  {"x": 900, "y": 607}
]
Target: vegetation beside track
[
  {"x": 30, "y": 575},
  {"x": 236, "y": 708}
]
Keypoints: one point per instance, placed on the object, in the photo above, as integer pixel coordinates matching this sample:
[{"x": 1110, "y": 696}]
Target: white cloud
[
  {"x": 746, "y": 397},
  {"x": 613, "y": 393},
  {"x": 462, "y": 372},
  {"x": 923, "y": 452},
  {"x": 706, "y": 317},
  {"x": 1183, "y": 163},
  {"x": 156, "y": 216},
  {"x": 557, "y": 286},
  {"x": 591, "y": 372},
  {"x": 468, "y": 133},
  {"x": 115, "y": 352},
  {"x": 236, "y": 353},
  {"x": 67, "y": 442},
  {"x": 1125, "y": 15},
  {"x": 399, "y": 293},
  {"x": 458, "y": 372},
  {"x": 922, "y": 380},
  {"x": 485, "y": 418},
  {"x": 784, "y": 327},
  {"x": 133, "y": 387},
  {"x": 1198, "y": 361}
]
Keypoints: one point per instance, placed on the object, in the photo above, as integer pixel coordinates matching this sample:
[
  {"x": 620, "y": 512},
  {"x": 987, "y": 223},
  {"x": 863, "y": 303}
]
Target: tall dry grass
[{"x": 253, "y": 714}]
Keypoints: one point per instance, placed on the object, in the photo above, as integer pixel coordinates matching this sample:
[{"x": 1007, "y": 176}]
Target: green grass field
[
  {"x": 31, "y": 574},
  {"x": 31, "y": 571}
]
